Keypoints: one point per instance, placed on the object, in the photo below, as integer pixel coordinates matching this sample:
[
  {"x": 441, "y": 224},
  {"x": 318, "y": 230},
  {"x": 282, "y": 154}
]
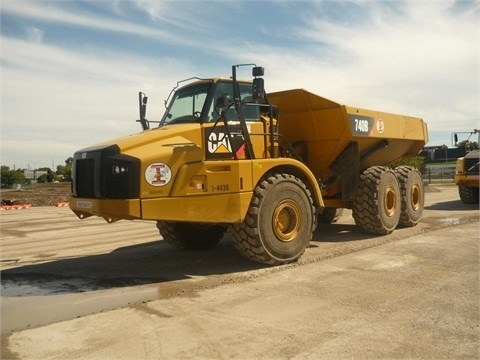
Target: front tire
[
  {"x": 377, "y": 206},
  {"x": 191, "y": 236},
  {"x": 279, "y": 223},
  {"x": 468, "y": 195}
]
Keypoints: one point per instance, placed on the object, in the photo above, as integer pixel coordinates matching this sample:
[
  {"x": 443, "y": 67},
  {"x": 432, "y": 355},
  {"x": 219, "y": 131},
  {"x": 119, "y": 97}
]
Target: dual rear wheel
[{"x": 388, "y": 198}]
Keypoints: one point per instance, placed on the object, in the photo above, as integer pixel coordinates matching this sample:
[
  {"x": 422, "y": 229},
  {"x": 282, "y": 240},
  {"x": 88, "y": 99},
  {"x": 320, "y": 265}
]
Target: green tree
[
  {"x": 42, "y": 178},
  {"x": 48, "y": 177},
  {"x": 468, "y": 145},
  {"x": 418, "y": 162},
  {"x": 65, "y": 171},
  {"x": 11, "y": 177}
]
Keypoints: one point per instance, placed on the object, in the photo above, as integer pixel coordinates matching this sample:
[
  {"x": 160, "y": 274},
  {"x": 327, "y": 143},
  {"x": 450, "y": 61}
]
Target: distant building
[
  {"x": 441, "y": 153},
  {"x": 33, "y": 174}
]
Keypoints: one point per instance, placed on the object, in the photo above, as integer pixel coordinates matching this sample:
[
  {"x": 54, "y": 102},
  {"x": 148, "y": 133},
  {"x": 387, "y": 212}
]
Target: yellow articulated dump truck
[{"x": 268, "y": 166}]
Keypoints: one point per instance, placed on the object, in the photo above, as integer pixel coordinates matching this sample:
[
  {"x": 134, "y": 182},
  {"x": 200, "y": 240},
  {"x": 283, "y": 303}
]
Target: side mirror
[
  {"x": 455, "y": 137},
  {"x": 258, "y": 89},
  {"x": 258, "y": 71},
  {"x": 142, "y": 103}
]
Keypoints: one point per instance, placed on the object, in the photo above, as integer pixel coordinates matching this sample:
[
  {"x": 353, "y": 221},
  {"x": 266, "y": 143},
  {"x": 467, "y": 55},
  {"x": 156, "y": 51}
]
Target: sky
[{"x": 71, "y": 70}]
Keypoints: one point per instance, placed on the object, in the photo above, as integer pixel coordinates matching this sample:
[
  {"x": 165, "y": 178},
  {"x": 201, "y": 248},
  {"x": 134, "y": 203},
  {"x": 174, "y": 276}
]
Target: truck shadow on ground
[
  {"x": 156, "y": 262},
  {"x": 454, "y": 205},
  {"x": 147, "y": 263},
  {"x": 338, "y": 233}
]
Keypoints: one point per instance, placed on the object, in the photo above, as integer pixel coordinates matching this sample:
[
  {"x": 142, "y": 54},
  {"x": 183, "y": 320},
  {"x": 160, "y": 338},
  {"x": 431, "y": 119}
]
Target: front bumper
[
  {"x": 219, "y": 208},
  {"x": 110, "y": 210},
  {"x": 467, "y": 180}
]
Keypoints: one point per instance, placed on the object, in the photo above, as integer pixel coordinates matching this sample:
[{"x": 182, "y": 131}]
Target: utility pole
[{"x": 445, "y": 147}]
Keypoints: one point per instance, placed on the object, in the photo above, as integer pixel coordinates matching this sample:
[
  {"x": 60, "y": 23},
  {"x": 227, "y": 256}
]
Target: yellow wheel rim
[
  {"x": 390, "y": 201},
  {"x": 287, "y": 220},
  {"x": 415, "y": 197}
]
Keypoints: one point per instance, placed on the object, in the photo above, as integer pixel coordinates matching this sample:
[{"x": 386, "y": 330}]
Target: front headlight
[
  {"x": 120, "y": 179},
  {"x": 119, "y": 169}
]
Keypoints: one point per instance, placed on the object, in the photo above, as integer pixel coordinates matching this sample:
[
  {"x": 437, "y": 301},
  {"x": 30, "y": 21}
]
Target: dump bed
[{"x": 328, "y": 128}]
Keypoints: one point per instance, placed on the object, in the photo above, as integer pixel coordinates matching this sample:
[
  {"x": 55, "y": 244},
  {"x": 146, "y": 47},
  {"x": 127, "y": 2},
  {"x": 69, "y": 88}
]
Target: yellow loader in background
[{"x": 467, "y": 172}]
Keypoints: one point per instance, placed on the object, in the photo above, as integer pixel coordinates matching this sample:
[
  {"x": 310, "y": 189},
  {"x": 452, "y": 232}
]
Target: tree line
[{"x": 10, "y": 177}]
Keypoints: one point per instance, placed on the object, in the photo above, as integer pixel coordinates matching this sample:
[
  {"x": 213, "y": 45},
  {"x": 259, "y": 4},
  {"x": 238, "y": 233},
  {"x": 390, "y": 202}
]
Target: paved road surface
[{"x": 411, "y": 294}]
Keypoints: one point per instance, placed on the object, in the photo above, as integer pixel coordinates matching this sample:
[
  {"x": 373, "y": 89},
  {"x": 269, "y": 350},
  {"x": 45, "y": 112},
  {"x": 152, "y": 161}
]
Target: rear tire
[
  {"x": 377, "y": 206},
  {"x": 468, "y": 194},
  {"x": 191, "y": 236},
  {"x": 279, "y": 223},
  {"x": 412, "y": 195}
]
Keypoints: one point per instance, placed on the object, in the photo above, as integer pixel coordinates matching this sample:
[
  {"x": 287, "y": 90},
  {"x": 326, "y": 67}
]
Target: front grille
[
  {"x": 471, "y": 166},
  {"x": 117, "y": 187},
  {"x": 94, "y": 175},
  {"x": 84, "y": 178}
]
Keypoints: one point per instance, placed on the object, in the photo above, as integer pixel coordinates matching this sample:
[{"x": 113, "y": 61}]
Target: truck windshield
[{"x": 187, "y": 105}]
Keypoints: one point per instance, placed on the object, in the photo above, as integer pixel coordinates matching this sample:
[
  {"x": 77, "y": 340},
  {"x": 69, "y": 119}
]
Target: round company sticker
[{"x": 158, "y": 174}]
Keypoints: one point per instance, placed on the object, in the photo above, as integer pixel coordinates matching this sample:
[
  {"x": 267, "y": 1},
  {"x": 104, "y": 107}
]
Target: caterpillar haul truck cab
[
  {"x": 467, "y": 176},
  {"x": 227, "y": 155}
]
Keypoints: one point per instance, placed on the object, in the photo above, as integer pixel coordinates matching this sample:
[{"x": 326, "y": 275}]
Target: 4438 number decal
[{"x": 220, "y": 187}]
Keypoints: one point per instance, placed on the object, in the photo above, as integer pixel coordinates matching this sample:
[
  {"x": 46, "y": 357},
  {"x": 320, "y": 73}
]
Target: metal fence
[{"x": 437, "y": 173}]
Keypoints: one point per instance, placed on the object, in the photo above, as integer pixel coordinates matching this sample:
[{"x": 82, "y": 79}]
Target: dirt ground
[
  {"x": 45, "y": 194},
  {"x": 85, "y": 289}
]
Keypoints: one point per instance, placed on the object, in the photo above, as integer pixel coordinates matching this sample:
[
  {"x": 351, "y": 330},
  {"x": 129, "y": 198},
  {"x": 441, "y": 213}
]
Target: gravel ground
[{"x": 45, "y": 194}]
